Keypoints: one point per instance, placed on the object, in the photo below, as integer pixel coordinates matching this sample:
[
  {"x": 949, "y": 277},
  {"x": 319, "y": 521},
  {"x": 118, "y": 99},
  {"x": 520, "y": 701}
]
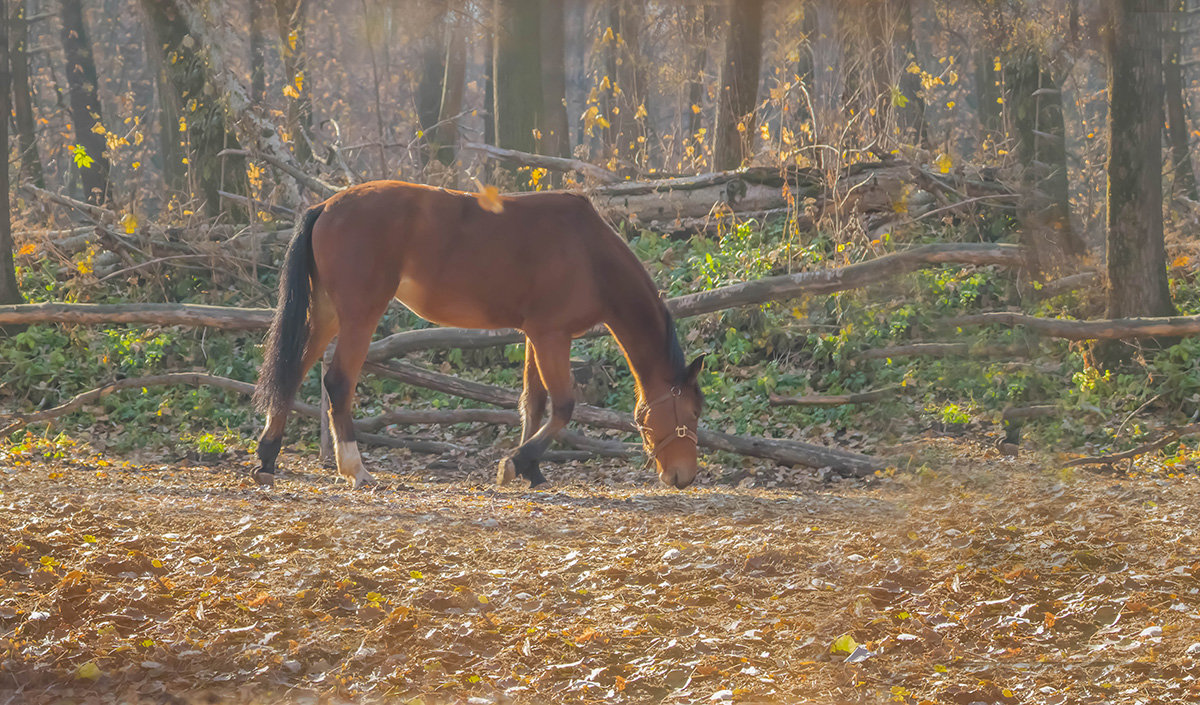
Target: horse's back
[{"x": 453, "y": 262}]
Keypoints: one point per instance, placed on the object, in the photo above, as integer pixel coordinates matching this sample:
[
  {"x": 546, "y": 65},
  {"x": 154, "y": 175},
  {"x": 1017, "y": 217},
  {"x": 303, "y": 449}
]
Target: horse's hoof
[
  {"x": 264, "y": 479},
  {"x": 506, "y": 473}
]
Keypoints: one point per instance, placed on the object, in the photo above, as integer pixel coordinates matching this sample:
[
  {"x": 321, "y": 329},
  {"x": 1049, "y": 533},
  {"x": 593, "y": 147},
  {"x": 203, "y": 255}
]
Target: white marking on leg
[{"x": 350, "y": 465}]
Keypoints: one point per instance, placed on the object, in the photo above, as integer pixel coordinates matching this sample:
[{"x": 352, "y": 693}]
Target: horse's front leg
[{"x": 549, "y": 359}]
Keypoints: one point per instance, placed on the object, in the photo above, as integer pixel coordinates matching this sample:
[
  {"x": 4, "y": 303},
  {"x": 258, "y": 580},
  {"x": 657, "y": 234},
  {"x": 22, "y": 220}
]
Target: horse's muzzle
[{"x": 677, "y": 478}]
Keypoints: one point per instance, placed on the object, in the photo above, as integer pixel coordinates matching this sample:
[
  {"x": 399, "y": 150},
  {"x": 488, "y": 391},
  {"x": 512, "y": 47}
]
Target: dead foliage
[{"x": 983, "y": 579}]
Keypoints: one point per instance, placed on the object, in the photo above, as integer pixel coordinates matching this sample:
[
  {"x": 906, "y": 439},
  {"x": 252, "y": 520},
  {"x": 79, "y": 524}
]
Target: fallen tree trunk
[
  {"x": 853, "y": 276},
  {"x": 668, "y": 200},
  {"x": 415, "y": 445},
  {"x": 306, "y": 180},
  {"x": 542, "y": 161},
  {"x": 97, "y": 213},
  {"x": 785, "y": 452},
  {"x": 834, "y": 399},
  {"x": 747, "y": 293},
  {"x": 943, "y": 350},
  {"x": 758, "y": 291},
  {"x": 1081, "y": 280},
  {"x": 221, "y": 317},
  {"x": 500, "y": 417},
  {"x": 1100, "y": 329}
]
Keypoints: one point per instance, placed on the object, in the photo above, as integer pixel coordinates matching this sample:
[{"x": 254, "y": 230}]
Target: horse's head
[{"x": 667, "y": 422}]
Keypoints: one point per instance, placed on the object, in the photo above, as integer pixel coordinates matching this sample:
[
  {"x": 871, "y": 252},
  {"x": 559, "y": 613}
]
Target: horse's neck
[{"x": 639, "y": 325}]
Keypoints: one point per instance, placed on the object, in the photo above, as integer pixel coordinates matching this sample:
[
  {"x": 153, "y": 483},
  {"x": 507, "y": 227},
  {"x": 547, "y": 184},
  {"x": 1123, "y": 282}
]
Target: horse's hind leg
[
  {"x": 323, "y": 326},
  {"x": 553, "y": 361},
  {"x": 348, "y": 358},
  {"x": 532, "y": 406},
  {"x": 533, "y": 397}
]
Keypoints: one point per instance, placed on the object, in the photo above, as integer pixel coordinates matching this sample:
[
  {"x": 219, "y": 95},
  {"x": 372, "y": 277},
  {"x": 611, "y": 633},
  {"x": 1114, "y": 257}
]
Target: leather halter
[{"x": 654, "y": 447}]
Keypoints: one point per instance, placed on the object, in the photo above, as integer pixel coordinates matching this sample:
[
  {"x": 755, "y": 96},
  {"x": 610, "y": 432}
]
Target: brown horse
[{"x": 546, "y": 264}]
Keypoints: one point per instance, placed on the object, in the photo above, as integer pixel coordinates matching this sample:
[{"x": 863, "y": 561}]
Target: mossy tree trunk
[
  {"x": 200, "y": 114},
  {"x": 1137, "y": 270},
  {"x": 738, "y": 91},
  {"x": 86, "y": 115},
  {"x": 22, "y": 96}
]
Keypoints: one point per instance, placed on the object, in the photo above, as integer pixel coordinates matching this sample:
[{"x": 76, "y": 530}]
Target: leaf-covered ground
[{"x": 973, "y": 579}]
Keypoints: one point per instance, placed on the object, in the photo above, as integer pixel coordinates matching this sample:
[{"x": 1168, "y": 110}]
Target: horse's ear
[{"x": 693, "y": 370}]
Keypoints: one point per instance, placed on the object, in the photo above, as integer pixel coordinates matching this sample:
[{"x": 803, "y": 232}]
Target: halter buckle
[{"x": 682, "y": 431}]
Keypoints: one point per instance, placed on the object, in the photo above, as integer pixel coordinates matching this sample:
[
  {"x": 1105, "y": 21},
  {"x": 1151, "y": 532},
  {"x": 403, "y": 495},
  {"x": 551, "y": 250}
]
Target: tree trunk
[
  {"x": 987, "y": 93},
  {"x": 518, "y": 74},
  {"x": 556, "y": 136},
  {"x": 201, "y": 113},
  {"x": 910, "y": 117},
  {"x": 697, "y": 21},
  {"x": 258, "y": 54},
  {"x": 171, "y": 148},
  {"x": 22, "y": 96},
  {"x": 627, "y": 98},
  {"x": 431, "y": 72},
  {"x": 828, "y": 80},
  {"x": 291, "y": 15},
  {"x": 738, "y": 92},
  {"x": 988, "y": 88},
  {"x": 453, "y": 85},
  {"x": 86, "y": 115},
  {"x": 489, "y": 80},
  {"x": 1137, "y": 269},
  {"x": 1035, "y": 103},
  {"x": 1176, "y": 105},
  {"x": 9, "y": 293}
]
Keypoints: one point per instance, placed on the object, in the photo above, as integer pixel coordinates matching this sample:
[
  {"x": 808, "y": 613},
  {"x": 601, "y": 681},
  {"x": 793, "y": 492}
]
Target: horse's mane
[{"x": 675, "y": 354}]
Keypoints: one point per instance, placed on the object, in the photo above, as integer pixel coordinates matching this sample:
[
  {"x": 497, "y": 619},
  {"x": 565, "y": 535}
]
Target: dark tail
[{"x": 279, "y": 378}]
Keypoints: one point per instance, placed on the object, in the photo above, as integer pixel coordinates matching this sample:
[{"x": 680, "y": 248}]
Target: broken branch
[
  {"x": 1189, "y": 430},
  {"x": 834, "y": 399}
]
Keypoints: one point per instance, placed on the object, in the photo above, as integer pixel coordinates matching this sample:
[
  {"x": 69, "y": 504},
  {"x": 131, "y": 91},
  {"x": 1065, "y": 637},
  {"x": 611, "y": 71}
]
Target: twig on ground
[
  {"x": 1171, "y": 436},
  {"x": 834, "y": 399}
]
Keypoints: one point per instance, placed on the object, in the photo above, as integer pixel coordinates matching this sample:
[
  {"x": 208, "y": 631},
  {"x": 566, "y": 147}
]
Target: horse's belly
[{"x": 452, "y": 309}]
